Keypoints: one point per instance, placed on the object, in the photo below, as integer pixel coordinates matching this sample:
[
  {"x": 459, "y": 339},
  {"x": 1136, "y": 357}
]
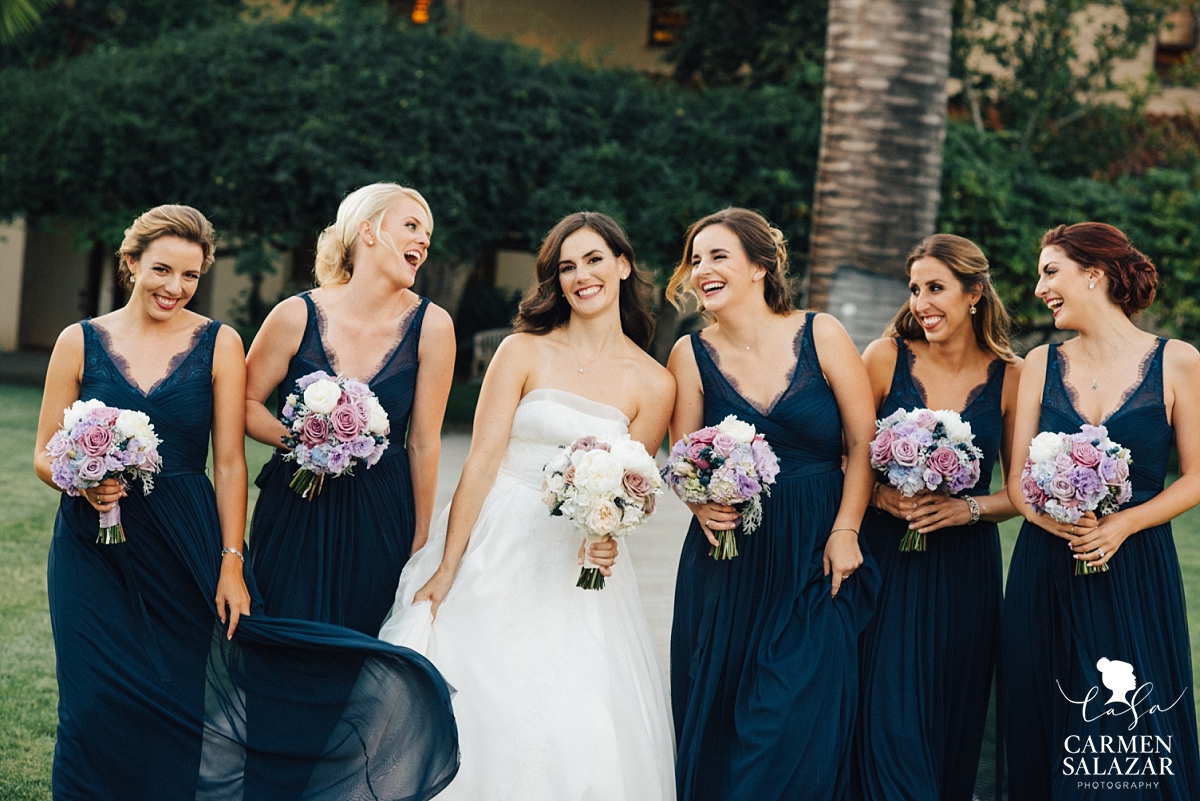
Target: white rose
[
  {"x": 740, "y": 430},
  {"x": 632, "y": 456},
  {"x": 598, "y": 473},
  {"x": 559, "y": 463},
  {"x": 321, "y": 396},
  {"x": 79, "y": 410},
  {"x": 379, "y": 423},
  {"x": 956, "y": 428},
  {"x": 554, "y": 482},
  {"x": 1045, "y": 446},
  {"x": 603, "y": 517}
]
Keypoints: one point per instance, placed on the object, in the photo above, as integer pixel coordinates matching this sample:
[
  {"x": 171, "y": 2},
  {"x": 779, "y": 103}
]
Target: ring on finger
[
  {"x": 1072, "y": 531},
  {"x": 1101, "y": 552}
]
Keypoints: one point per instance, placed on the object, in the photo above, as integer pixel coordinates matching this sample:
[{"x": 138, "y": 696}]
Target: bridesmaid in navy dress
[
  {"x": 160, "y": 643},
  {"x": 764, "y": 659},
  {"x": 928, "y": 654},
  {"x": 1064, "y": 635},
  {"x": 337, "y": 558}
]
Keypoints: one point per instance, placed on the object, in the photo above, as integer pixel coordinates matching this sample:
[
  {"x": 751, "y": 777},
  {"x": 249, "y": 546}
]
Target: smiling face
[
  {"x": 722, "y": 274},
  {"x": 1063, "y": 287},
  {"x": 166, "y": 275},
  {"x": 589, "y": 275},
  {"x": 402, "y": 242},
  {"x": 938, "y": 301}
]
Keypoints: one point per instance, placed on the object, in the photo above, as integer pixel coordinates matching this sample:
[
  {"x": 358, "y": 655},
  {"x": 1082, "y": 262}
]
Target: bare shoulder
[
  {"x": 1036, "y": 358},
  {"x": 289, "y": 314},
  {"x": 521, "y": 348},
  {"x": 654, "y": 380},
  {"x": 828, "y": 329},
  {"x": 229, "y": 341},
  {"x": 70, "y": 340},
  {"x": 1013, "y": 370},
  {"x": 881, "y": 353},
  {"x": 682, "y": 354},
  {"x": 1181, "y": 358},
  {"x": 437, "y": 322}
]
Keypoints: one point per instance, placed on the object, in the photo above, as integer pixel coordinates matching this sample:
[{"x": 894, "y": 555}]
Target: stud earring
[{"x": 1091, "y": 284}]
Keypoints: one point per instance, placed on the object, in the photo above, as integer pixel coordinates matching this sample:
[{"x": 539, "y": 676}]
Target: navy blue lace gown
[
  {"x": 338, "y": 557},
  {"x": 928, "y": 654},
  {"x": 1057, "y": 626},
  {"x": 152, "y": 696},
  {"x": 764, "y": 663}
]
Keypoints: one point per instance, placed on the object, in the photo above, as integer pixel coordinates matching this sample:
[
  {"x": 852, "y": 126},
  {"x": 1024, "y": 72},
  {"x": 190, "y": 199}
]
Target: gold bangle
[{"x": 843, "y": 528}]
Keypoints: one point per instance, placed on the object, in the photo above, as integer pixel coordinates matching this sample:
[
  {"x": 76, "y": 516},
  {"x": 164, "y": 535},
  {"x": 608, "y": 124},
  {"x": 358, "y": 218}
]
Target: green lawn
[{"x": 27, "y": 686}]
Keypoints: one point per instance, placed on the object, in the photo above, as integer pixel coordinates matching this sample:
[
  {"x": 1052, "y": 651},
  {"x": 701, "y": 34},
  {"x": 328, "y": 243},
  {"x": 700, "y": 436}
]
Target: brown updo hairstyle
[
  {"x": 545, "y": 308},
  {"x": 990, "y": 322},
  {"x": 184, "y": 222},
  {"x": 1132, "y": 278},
  {"x": 765, "y": 247}
]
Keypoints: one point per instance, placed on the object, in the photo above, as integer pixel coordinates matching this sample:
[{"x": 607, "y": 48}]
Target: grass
[{"x": 28, "y": 691}]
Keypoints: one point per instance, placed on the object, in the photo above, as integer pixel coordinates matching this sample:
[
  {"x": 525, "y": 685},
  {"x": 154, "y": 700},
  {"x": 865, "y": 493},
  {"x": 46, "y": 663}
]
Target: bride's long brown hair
[{"x": 545, "y": 308}]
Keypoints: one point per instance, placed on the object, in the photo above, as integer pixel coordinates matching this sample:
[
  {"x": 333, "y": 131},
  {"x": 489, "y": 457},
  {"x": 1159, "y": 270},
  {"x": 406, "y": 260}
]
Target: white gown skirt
[{"x": 559, "y": 695}]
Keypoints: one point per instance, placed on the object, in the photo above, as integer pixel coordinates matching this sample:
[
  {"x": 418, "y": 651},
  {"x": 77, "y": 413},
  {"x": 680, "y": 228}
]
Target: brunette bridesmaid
[
  {"x": 764, "y": 659},
  {"x": 928, "y": 654},
  {"x": 337, "y": 558},
  {"x": 1075, "y": 646}
]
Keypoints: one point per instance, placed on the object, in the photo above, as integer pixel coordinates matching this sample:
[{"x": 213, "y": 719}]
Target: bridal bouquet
[
  {"x": 98, "y": 442},
  {"x": 604, "y": 489},
  {"x": 1068, "y": 475},
  {"x": 729, "y": 463},
  {"x": 333, "y": 422},
  {"x": 925, "y": 450}
]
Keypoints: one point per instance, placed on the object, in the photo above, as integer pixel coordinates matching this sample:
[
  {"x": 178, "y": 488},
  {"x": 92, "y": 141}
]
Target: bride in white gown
[{"x": 559, "y": 695}]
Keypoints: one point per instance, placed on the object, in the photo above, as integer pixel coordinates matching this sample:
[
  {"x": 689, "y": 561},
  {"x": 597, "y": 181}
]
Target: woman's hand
[
  {"x": 435, "y": 590},
  {"x": 715, "y": 517},
  {"x": 1068, "y": 531},
  {"x": 104, "y": 496},
  {"x": 842, "y": 556},
  {"x": 1097, "y": 544},
  {"x": 601, "y": 554},
  {"x": 931, "y": 511},
  {"x": 887, "y": 498},
  {"x": 232, "y": 592}
]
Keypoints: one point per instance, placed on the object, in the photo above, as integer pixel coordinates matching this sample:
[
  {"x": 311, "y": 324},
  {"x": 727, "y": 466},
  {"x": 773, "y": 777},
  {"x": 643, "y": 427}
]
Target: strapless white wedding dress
[{"x": 559, "y": 696}]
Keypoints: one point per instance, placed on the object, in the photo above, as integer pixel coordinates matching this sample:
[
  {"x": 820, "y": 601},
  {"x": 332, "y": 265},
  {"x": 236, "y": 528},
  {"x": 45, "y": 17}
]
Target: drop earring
[{"x": 972, "y": 308}]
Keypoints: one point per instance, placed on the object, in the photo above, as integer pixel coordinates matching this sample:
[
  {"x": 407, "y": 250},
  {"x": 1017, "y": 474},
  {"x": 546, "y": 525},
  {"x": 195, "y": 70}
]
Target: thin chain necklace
[
  {"x": 1110, "y": 361},
  {"x": 580, "y": 361}
]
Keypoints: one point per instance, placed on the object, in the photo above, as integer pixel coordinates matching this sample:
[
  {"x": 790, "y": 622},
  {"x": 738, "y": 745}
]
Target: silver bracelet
[
  {"x": 235, "y": 552},
  {"x": 974, "y": 509}
]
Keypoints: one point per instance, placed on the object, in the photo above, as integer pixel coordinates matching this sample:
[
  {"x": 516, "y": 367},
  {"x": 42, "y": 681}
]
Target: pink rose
[
  {"x": 705, "y": 435},
  {"x": 944, "y": 461},
  {"x": 636, "y": 484},
  {"x": 314, "y": 430},
  {"x": 1063, "y": 462},
  {"x": 360, "y": 408},
  {"x": 1085, "y": 454},
  {"x": 1032, "y": 492},
  {"x": 345, "y": 423},
  {"x": 881, "y": 447},
  {"x": 569, "y": 475},
  {"x": 106, "y": 414},
  {"x": 96, "y": 440},
  {"x": 584, "y": 444},
  {"x": 724, "y": 444},
  {"x": 694, "y": 450},
  {"x": 648, "y": 504},
  {"x": 925, "y": 419},
  {"x": 92, "y": 468},
  {"x": 1062, "y": 488},
  {"x": 905, "y": 452}
]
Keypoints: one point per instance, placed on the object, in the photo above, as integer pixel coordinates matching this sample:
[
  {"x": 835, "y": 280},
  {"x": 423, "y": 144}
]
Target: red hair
[{"x": 1132, "y": 278}]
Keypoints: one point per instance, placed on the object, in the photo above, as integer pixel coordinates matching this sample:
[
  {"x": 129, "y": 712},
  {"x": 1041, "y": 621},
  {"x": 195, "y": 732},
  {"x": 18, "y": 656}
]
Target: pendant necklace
[
  {"x": 579, "y": 361},
  {"x": 1110, "y": 361}
]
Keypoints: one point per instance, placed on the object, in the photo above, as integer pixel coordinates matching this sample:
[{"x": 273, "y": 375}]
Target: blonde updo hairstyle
[
  {"x": 184, "y": 222},
  {"x": 371, "y": 203},
  {"x": 764, "y": 244},
  {"x": 966, "y": 261}
]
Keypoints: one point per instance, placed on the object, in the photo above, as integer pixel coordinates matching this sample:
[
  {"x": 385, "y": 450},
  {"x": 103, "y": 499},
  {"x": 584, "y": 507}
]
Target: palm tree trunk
[{"x": 880, "y": 163}]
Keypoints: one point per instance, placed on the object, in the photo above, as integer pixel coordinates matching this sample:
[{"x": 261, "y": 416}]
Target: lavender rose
[
  {"x": 1114, "y": 472},
  {"x": 345, "y": 422},
  {"x": 724, "y": 444},
  {"x": 58, "y": 446},
  {"x": 92, "y": 468},
  {"x": 360, "y": 447},
  {"x": 1062, "y": 488},
  {"x": 314, "y": 430},
  {"x": 584, "y": 444},
  {"x": 881, "y": 447},
  {"x": 1032, "y": 492},
  {"x": 944, "y": 461},
  {"x": 96, "y": 440},
  {"x": 905, "y": 452},
  {"x": 765, "y": 462},
  {"x": 1085, "y": 454},
  {"x": 925, "y": 419}
]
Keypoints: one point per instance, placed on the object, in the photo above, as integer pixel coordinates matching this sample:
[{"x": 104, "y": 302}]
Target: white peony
[
  {"x": 632, "y": 455},
  {"x": 740, "y": 430},
  {"x": 559, "y": 463},
  {"x": 379, "y": 422},
  {"x": 131, "y": 423},
  {"x": 78, "y": 411},
  {"x": 603, "y": 517},
  {"x": 1045, "y": 446},
  {"x": 322, "y": 395},
  {"x": 598, "y": 473},
  {"x": 956, "y": 428},
  {"x": 554, "y": 483}
]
